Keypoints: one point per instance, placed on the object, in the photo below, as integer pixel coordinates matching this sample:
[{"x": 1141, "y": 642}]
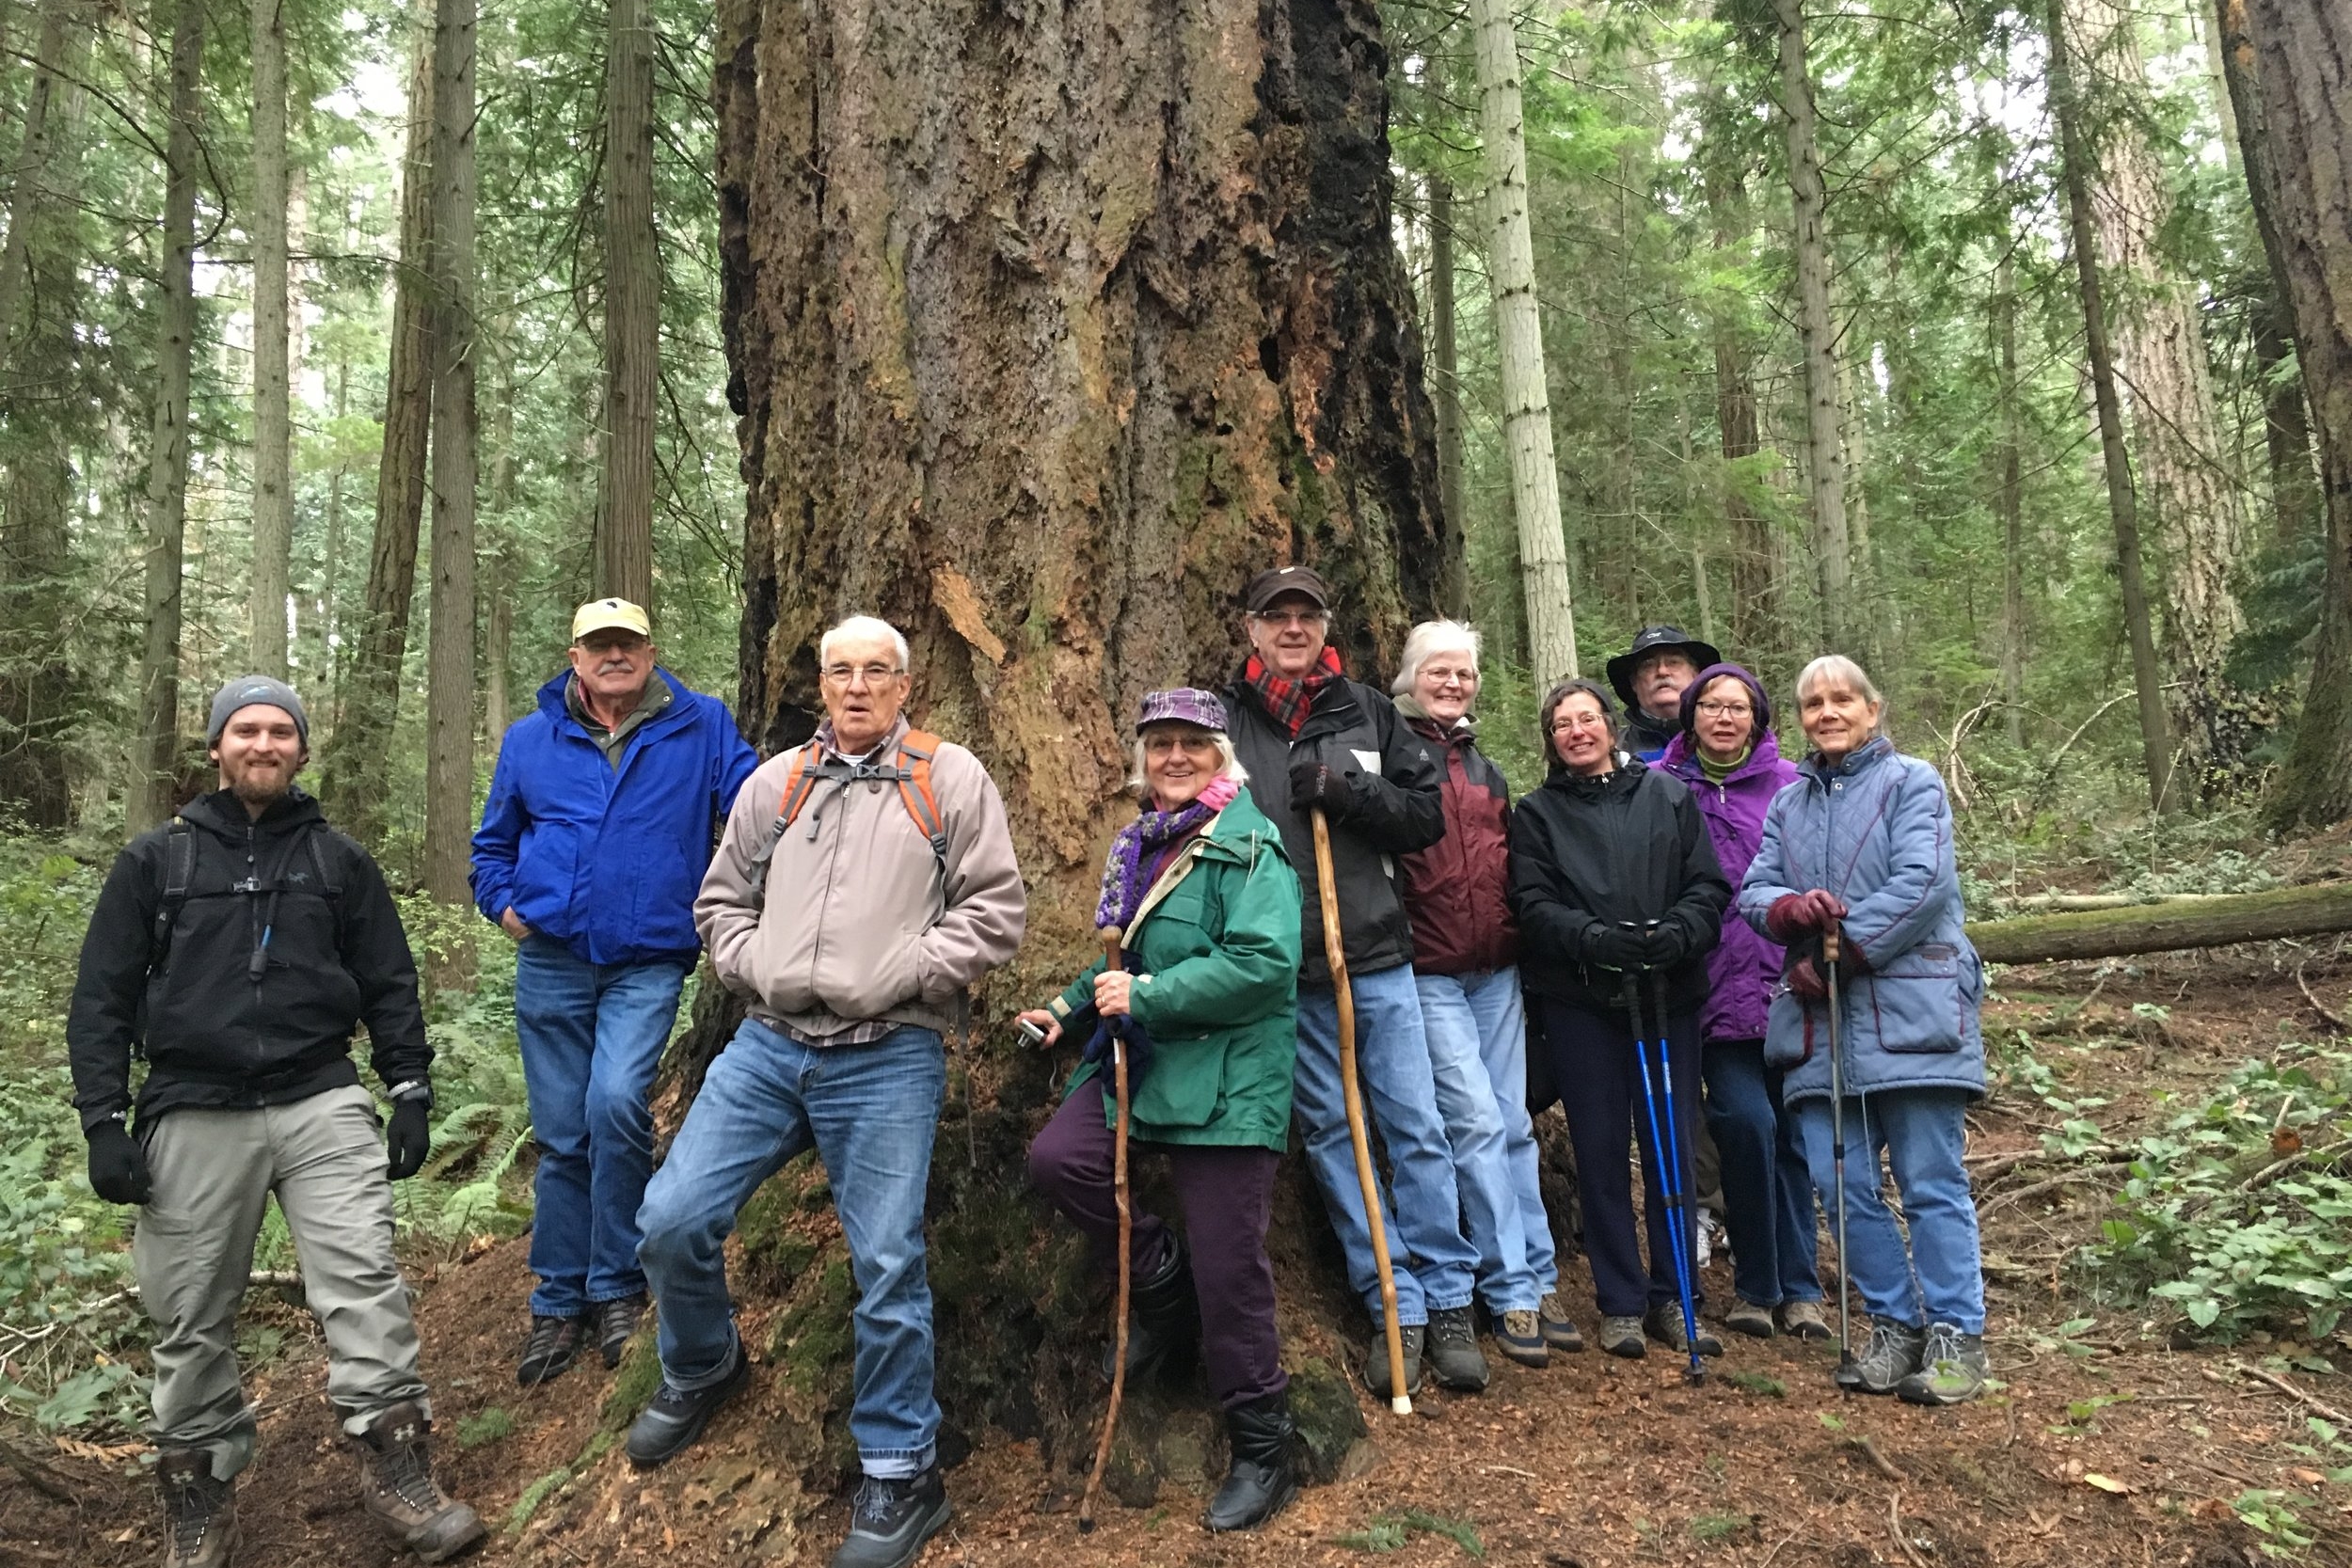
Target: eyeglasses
[
  {"x": 873, "y": 674},
  {"x": 1725, "y": 710},
  {"x": 1450, "y": 677},
  {"x": 1575, "y": 722},
  {"x": 1308, "y": 618}
]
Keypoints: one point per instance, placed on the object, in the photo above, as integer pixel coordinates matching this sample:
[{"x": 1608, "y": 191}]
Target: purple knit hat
[
  {"x": 1185, "y": 704},
  {"x": 1762, "y": 704}
]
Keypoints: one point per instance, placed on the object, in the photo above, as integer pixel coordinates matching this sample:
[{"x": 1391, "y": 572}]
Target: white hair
[
  {"x": 1837, "y": 666},
  {"x": 864, "y": 628},
  {"x": 1233, "y": 768},
  {"x": 1427, "y": 639}
]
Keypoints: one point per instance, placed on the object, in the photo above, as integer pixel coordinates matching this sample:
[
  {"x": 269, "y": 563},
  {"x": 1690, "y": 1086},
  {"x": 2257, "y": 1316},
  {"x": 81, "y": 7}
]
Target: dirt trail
[{"x": 2104, "y": 1448}]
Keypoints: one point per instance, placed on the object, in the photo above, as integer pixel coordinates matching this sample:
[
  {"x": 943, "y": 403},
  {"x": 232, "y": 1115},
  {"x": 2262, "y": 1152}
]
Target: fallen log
[{"x": 2312, "y": 910}]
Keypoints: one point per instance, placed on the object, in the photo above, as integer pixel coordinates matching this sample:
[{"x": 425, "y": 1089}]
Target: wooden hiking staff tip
[
  {"x": 1111, "y": 936},
  {"x": 1335, "y": 955}
]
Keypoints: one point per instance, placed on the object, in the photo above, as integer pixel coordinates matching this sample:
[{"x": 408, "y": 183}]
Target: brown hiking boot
[
  {"x": 400, "y": 1494},
  {"x": 200, "y": 1513}
]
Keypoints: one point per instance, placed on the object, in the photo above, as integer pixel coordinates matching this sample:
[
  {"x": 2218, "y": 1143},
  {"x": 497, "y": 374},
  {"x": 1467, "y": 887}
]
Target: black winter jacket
[
  {"x": 1589, "y": 853},
  {"x": 214, "y": 1034},
  {"x": 1393, "y": 776}
]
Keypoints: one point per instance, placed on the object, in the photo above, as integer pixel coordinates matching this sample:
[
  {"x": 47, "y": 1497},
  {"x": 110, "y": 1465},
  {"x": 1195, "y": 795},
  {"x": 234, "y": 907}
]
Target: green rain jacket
[{"x": 1216, "y": 950}]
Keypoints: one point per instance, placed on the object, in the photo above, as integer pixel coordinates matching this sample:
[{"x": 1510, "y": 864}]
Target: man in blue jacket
[{"x": 595, "y": 837}]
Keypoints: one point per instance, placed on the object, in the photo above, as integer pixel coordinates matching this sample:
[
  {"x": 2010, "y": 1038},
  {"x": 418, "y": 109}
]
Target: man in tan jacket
[{"x": 864, "y": 880}]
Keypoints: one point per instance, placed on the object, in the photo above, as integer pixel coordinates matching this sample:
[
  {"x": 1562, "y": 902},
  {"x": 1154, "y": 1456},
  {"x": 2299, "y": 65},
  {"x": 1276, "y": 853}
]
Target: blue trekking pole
[
  {"x": 1668, "y": 1188},
  {"x": 1682, "y": 1208}
]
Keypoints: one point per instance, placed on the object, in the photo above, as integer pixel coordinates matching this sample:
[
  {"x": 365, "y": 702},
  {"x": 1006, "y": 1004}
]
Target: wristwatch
[{"x": 414, "y": 1088}]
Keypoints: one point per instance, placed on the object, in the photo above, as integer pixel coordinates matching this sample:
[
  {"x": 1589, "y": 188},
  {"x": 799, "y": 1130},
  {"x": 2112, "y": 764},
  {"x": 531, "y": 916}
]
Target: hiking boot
[
  {"x": 615, "y": 1321},
  {"x": 1377, "y": 1360},
  {"x": 399, "y": 1492},
  {"x": 1803, "y": 1320},
  {"x": 1891, "y": 1355},
  {"x": 1559, "y": 1330},
  {"x": 1622, "y": 1335},
  {"x": 1747, "y": 1318},
  {"x": 553, "y": 1346},
  {"x": 1262, "y": 1478},
  {"x": 891, "y": 1520},
  {"x": 1664, "y": 1324},
  {"x": 199, "y": 1511},
  {"x": 677, "y": 1416},
  {"x": 1952, "y": 1369},
  {"x": 1165, "y": 1333},
  {"x": 1453, "y": 1351},
  {"x": 1520, "y": 1338}
]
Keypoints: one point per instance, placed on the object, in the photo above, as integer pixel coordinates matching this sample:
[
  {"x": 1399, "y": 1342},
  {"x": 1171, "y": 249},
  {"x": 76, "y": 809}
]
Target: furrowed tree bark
[
  {"x": 1446, "y": 392},
  {"x": 157, "y": 758},
  {"x": 632, "y": 309},
  {"x": 449, "y": 655},
  {"x": 1519, "y": 328},
  {"x": 2305, "y": 69},
  {"x": 2297, "y": 912},
  {"x": 358, "y": 754},
  {"x": 273, "y": 413},
  {"x": 2155, "y": 736},
  {"x": 1825, "y": 463},
  {"x": 2013, "y": 506}
]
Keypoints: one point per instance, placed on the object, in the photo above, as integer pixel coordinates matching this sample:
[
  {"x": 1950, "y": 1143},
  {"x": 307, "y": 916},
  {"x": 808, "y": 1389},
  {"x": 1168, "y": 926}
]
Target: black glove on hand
[
  {"x": 409, "y": 1137},
  {"x": 1614, "y": 947},
  {"x": 118, "y": 1165},
  {"x": 1665, "y": 946},
  {"x": 1319, "y": 785}
]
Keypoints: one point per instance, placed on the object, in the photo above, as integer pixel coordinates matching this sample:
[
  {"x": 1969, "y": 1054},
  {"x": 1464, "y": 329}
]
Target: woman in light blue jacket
[{"x": 1862, "y": 843}]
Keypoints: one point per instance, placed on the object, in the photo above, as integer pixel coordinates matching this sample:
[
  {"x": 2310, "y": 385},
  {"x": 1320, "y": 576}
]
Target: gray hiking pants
[{"x": 213, "y": 1171}]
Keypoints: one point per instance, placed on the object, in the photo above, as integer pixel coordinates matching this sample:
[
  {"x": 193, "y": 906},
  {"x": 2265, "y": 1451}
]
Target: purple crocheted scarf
[{"x": 1139, "y": 842}]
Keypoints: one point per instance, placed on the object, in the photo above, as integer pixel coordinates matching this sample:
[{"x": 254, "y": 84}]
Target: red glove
[
  {"x": 1793, "y": 914},
  {"x": 1807, "y": 981}
]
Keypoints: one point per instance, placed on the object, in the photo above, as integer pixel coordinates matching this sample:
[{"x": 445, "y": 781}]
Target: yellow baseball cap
[{"x": 607, "y": 614}]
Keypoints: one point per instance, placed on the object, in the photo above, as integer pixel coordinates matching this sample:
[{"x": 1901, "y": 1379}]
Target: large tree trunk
[
  {"x": 273, "y": 413},
  {"x": 2012, "y": 506},
  {"x": 2315, "y": 909},
  {"x": 1825, "y": 462},
  {"x": 1519, "y": 329},
  {"x": 2306, "y": 73},
  {"x": 1453, "y": 593},
  {"x": 156, "y": 752},
  {"x": 449, "y": 748},
  {"x": 632, "y": 307},
  {"x": 358, "y": 753},
  {"x": 1757, "y": 628},
  {"x": 2155, "y": 737},
  {"x": 32, "y": 189}
]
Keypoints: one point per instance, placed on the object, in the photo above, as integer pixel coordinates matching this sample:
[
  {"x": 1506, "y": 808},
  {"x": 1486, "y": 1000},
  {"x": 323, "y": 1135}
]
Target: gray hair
[
  {"x": 864, "y": 627},
  {"x": 1837, "y": 666},
  {"x": 1427, "y": 639},
  {"x": 1231, "y": 759}
]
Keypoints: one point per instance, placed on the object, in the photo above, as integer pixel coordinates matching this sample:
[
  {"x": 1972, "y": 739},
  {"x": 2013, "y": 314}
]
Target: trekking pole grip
[{"x": 1829, "y": 943}]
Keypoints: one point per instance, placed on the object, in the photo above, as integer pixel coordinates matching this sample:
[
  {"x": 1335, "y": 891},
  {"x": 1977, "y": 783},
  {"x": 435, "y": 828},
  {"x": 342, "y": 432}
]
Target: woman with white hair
[
  {"x": 1465, "y": 952},
  {"x": 1861, "y": 845}
]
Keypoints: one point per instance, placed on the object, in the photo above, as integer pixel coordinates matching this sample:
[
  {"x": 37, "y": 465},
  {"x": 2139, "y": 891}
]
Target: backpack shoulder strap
[
  {"x": 916, "y": 752},
  {"x": 799, "y": 782},
  {"x": 179, "y": 872}
]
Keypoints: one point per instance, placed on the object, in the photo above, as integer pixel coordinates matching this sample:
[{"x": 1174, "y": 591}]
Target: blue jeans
[
  {"x": 1435, "y": 1266},
  {"x": 592, "y": 1036},
  {"x": 1477, "y": 1030},
  {"x": 1768, "y": 1189},
  {"x": 1941, "y": 1277},
  {"x": 871, "y": 1113}
]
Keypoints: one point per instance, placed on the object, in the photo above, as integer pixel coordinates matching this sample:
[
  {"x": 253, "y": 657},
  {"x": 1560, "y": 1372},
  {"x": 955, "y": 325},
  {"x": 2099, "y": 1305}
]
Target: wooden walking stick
[
  {"x": 1111, "y": 936},
  {"x": 1335, "y": 955}
]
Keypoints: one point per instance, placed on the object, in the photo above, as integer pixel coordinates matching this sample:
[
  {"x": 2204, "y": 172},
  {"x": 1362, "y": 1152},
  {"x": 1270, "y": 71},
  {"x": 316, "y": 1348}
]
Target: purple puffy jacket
[{"x": 1743, "y": 970}]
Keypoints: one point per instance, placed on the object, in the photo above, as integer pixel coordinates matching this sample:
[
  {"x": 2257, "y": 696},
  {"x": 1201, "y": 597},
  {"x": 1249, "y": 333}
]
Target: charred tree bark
[
  {"x": 632, "y": 309},
  {"x": 2306, "y": 73}
]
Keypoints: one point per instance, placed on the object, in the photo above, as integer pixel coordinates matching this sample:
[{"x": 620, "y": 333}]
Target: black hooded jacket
[
  {"x": 251, "y": 997},
  {"x": 1587, "y": 854},
  {"x": 1394, "y": 775}
]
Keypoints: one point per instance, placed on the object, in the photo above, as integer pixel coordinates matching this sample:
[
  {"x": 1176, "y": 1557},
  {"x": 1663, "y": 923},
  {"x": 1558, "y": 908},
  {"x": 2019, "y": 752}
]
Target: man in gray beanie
[{"x": 239, "y": 946}]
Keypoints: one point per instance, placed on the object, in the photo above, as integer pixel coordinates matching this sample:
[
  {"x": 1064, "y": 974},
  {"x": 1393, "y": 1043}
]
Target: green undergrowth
[{"x": 1388, "y": 1532}]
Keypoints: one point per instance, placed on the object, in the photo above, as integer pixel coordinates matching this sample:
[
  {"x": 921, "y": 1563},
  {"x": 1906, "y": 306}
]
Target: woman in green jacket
[{"x": 1210, "y": 907}]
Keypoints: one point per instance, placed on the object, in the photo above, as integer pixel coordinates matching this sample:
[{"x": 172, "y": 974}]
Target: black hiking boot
[
  {"x": 200, "y": 1513},
  {"x": 1453, "y": 1351},
  {"x": 1165, "y": 1333},
  {"x": 891, "y": 1520},
  {"x": 1891, "y": 1355},
  {"x": 553, "y": 1346},
  {"x": 677, "y": 1416},
  {"x": 1377, "y": 1360},
  {"x": 400, "y": 1494},
  {"x": 1262, "y": 1478},
  {"x": 615, "y": 1321}
]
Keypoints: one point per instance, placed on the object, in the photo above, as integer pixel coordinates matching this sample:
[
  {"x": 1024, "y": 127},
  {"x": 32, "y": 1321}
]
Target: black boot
[
  {"x": 1262, "y": 1478},
  {"x": 1165, "y": 1333}
]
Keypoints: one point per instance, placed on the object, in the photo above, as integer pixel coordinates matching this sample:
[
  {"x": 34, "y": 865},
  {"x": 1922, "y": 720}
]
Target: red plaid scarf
[{"x": 1288, "y": 702}]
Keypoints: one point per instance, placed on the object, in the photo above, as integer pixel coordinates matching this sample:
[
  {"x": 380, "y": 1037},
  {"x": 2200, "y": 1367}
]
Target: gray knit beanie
[{"x": 244, "y": 691}]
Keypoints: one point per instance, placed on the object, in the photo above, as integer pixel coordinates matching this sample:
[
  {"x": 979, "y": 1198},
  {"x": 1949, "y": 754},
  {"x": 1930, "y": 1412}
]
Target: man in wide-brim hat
[{"x": 1649, "y": 677}]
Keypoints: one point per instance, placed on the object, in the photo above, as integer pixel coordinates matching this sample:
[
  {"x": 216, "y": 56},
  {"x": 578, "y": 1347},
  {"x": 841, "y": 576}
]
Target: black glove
[
  {"x": 409, "y": 1138},
  {"x": 1665, "y": 946},
  {"x": 118, "y": 1165},
  {"x": 1607, "y": 946},
  {"x": 1319, "y": 785}
]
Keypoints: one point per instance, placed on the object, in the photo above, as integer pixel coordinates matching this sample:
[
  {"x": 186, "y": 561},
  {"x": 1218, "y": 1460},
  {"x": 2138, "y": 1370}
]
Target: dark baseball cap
[{"x": 1271, "y": 585}]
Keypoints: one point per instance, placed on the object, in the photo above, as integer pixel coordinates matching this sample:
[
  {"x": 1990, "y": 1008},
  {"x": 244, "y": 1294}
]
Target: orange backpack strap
[
  {"x": 916, "y": 753},
  {"x": 912, "y": 773}
]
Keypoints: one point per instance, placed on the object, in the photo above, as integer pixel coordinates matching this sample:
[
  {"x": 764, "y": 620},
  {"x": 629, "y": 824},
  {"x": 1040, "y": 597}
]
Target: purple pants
[{"x": 1227, "y": 1194}]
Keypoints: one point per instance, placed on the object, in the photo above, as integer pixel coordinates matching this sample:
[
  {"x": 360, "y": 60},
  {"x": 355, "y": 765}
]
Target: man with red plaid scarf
[{"x": 1312, "y": 739}]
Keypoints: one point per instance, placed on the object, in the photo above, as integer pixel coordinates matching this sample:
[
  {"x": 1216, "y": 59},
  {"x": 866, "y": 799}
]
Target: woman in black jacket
[{"x": 1613, "y": 872}]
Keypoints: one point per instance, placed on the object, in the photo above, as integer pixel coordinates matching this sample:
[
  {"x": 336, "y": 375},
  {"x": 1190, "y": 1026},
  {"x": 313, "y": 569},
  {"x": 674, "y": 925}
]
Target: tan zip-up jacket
[{"x": 853, "y": 924}]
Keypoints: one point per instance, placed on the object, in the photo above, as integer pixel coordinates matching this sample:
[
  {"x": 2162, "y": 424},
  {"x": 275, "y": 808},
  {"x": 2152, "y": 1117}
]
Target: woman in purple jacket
[{"x": 1729, "y": 755}]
